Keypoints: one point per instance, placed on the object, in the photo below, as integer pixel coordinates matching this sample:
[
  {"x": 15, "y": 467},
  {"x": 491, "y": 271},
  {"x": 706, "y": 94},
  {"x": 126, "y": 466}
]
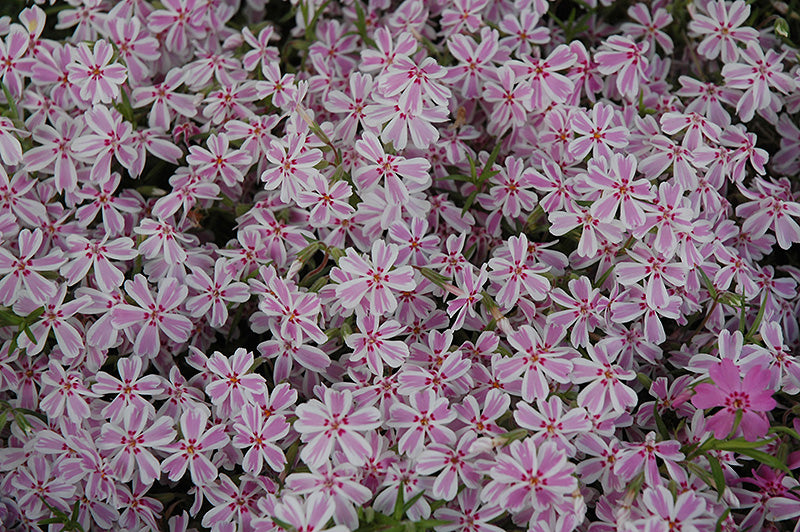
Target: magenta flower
[
  {"x": 128, "y": 444},
  {"x": 335, "y": 422},
  {"x": 259, "y": 435},
  {"x": 98, "y": 80},
  {"x": 750, "y": 397},
  {"x": 373, "y": 280},
  {"x": 153, "y": 314},
  {"x": 191, "y": 450}
]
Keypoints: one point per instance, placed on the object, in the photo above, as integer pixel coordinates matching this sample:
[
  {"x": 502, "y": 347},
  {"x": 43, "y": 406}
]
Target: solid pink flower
[
  {"x": 153, "y": 314},
  {"x": 373, "y": 280},
  {"x": 191, "y": 450},
  {"x": 98, "y": 80},
  {"x": 750, "y": 397},
  {"x": 336, "y": 421}
]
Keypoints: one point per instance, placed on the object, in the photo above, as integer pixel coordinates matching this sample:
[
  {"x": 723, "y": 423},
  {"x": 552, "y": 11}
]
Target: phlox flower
[
  {"x": 597, "y": 133},
  {"x": 468, "y": 294},
  {"x": 259, "y": 436},
  {"x": 510, "y": 191},
  {"x": 219, "y": 160},
  {"x": 181, "y": 21},
  {"x": 373, "y": 345},
  {"x": 605, "y": 390},
  {"x": 334, "y": 421},
  {"x": 625, "y": 58},
  {"x": 523, "y": 31},
  {"x": 23, "y": 271},
  {"x": 84, "y": 254},
  {"x": 414, "y": 82},
  {"x": 67, "y": 394},
  {"x": 594, "y": 229},
  {"x": 548, "y": 83},
  {"x": 380, "y": 165},
  {"x": 164, "y": 100},
  {"x": 14, "y": 66},
  {"x": 162, "y": 241},
  {"x": 642, "y": 456},
  {"x": 759, "y": 73},
  {"x": 213, "y": 294},
  {"x": 294, "y": 166},
  {"x": 373, "y": 280},
  {"x": 751, "y": 398},
  {"x": 722, "y": 29},
  {"x": 129, "y": 389},
  {"x": 327, "y": 200},
  {"x": 656, "y": 269},
  {"x": 515, "y": 274},
  {"x": 475, "y": 60},
  {"x": 297, "y": 312},
  {"x": 426, "y": 416},
  {"x": 454, "y": 464},
  {"x": 128, "y": 444},
  {"x": 341, "y": 484},
  {"x": 104, "y": 200},
  {"x": 55, "y": 155},
  {"x": 583, "y": 310},
  {"x": 649, "y": 25},
  {"x": 10, "y": 148},
  {"x": 109, "y": 137},
  {"x": 231, "y": 385},
  {"x": 470, "y": 515},
  {"x": 403, "y": 119},
  {"x": 135, "y": 46},
  {"x": 153, "y": 314},
  {"x": 58, "y": 318},
  {"x": 35, "y": 478},
  {"x": 534, "y": 477},
  {"x": 191, "y": 451},
  {"x": 549, "y": 422},
  {"x": 311, "y": 515},
  {"x": 482, "y": 420},
  {"x": 98, "y": 80}
]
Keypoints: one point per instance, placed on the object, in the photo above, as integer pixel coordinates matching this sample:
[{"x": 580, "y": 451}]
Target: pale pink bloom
[
  {"x": 57, "y": 317},
  {"x": 98, "y": 80},
  {"x": 297, "y": 312},
  {"x": 259, "y": 436},
  {"x": 191, "y": 451},
  {"x": 35, "y": 478},
  {"x": 597, "y": 134},
  {"x": 389, "y": 168},
  {"x": 412, "y": 82},
  {"x": 219, "y": 160},
  {"x": 594, "y": 230},
  {"x": 620, "y": 190},
  {"x": 10, "y": 148},
  {"x": 475, "y": 60},
  {"x": 292, "y": 166},
  {"x": 548, "y": 84},
  {"x": 469, "y": 288},
  {"x": 128, "y": 444},
  {"x": 373, "y": 345},
  {"x": 510, "y": 189},
  {"x": 282, "y": 89},
  {"x": 457, "y": 470},
  {"x": 180, "y": 20},
  {"x": 649, "y": 26},
  {"x": 511, "y": 98},
  {"x": 232, "y": 386},
  {"x": 352, "y": 105},
  {"x": 129, "y": 389},
  {"x": 83, "y": 255},
  {"x": 523, "y": 31},
  {"x": 463, "y": 15},
  {"x": 642, "y": 456},
  {"x": 67, "y": 394},
  {"x": 336, "y": 421},
  {"x": 14, "y": 66},
  {"x": 657, "y": 269},
  {"x": 328, "y": 200},
  {"x": 625, "y": 58},
  {"x": 110, "y": 138},
  {"x": 55, "y": 155},
  {"x": 163, "y": 240},
  {"x": 403, "y": 119},
  {"x": 214, "y": 293},
  {"x": 549, "y": 422},
  {"x": 426, "y": 416},
  {"x": 153, "y": 315},
  {"x": 164, "y": 100},
  {"x": 23, "y": 271},
  {"x": 722, "y": 30},
  {"x": 262, "y": 52},
  {"x": 515, "y": 274},
  {"x": 311, "y": 515},
  {"x": 387, "y": 51},
  {"x": 759, "y": 73},
  {"x": 374, "y": 280},
  {"x": 134, "y": 45},
  {"x": 605, "y": 390}
]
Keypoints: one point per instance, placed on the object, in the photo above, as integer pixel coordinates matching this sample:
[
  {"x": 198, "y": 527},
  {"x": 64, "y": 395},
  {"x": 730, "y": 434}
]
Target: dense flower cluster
[{"x": 451, "y": 265}]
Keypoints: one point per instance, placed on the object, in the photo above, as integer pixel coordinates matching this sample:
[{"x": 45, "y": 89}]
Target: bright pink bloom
[
  {"x": 751, "y": 398},
  {"x": 191, "y": 451}
]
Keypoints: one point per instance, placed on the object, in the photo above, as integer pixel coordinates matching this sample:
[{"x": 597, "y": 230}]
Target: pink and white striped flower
[{"x": 192, "y": 450}]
